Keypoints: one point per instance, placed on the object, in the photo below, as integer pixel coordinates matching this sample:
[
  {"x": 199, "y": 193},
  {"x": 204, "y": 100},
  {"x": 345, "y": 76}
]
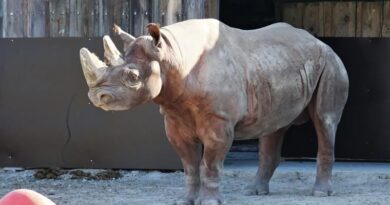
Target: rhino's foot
[
  {"x": 208, "y": 202},
  {"x": 318, "y": 193},
  {"x": 323, "y": 190},
  {"x": 256, "y": 189},
  {"x": 185, "y": 201}
]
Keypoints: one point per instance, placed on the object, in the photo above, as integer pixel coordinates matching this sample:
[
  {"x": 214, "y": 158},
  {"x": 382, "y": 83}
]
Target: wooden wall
[
  {"x": 340, "y": 18},
  {"x": 90, "y": 18}
]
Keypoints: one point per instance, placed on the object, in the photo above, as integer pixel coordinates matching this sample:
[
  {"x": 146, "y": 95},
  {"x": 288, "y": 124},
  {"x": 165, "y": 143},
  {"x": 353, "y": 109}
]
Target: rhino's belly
[
  {"x": 271, "y": 110},
  {"x": 262, "y": 127}
]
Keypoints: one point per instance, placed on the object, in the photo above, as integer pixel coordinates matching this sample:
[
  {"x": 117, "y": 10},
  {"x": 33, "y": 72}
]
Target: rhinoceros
[{"x": 216, "y": 84}]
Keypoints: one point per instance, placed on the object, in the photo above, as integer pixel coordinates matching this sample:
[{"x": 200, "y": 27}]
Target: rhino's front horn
[
  {"x": 111, "y": 53},
  {"x": 93, "y": 68}
]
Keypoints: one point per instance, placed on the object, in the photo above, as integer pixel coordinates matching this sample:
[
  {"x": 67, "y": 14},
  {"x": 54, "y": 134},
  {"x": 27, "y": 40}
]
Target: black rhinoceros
[{"x": 216, "y": 84}]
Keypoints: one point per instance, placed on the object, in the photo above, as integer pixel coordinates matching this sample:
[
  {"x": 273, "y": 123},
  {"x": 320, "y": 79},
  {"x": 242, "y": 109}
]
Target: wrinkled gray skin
[{"x": 215, "y": 83}]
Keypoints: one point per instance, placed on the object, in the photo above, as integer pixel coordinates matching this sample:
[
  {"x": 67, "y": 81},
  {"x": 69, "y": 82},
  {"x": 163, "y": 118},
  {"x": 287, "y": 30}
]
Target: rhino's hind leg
[
  {"x": 269, "y": 153},
  {"x": 325, "y": 110},
  {"x": 325, "y": 157}
]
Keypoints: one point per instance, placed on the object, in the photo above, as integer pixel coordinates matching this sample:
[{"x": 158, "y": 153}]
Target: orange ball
[{"x": 25, "y": 197}]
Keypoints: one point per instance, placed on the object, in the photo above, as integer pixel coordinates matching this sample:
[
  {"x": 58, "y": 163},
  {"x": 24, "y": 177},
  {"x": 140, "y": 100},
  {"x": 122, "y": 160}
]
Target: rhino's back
[{"x": 281, "y": 66}]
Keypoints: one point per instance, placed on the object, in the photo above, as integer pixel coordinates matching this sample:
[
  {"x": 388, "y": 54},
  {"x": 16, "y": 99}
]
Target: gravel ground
[{"x": 354, "y": 183}]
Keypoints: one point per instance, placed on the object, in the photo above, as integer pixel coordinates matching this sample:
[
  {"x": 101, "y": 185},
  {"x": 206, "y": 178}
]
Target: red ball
[{"x": 25, "y": 197}]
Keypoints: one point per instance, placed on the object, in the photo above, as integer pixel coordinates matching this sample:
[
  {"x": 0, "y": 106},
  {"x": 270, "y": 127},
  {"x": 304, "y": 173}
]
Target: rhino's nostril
[{"x": 105, "y": 98}]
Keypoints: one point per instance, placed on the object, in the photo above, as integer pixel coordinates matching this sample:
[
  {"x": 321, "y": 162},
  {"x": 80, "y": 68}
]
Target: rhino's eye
[{"x": 133, "y": 75}]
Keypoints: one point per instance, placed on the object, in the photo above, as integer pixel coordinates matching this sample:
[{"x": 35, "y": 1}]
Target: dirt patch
[
  {"x": 102, "y": 175},
  {"x": 50, "y": 173},
  {"x": 56, "y": 173}
]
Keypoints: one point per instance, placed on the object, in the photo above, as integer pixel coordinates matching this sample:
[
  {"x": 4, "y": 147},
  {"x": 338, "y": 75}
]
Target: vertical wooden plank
[
  {"x": 122, "y": 14},
  {"x": 36, "y": 21},
  {"x": 101, "y": 17},
  {"x": 343, "y": 19},
  {"x": 326, "y": 9},
  {"x": 369, "y": 19},
  {"x": 78, "y": 18},
  {"x": 141, "y": 16},
  {"x": 193, "y": 9},
  {"x": 59, "y": 18},
  {"x": 107, "y": 17},
  {"x": 278, "y": 10},
  {"x": 93, "y": 14},
  {"x": 156, "y": 12},
  {"x": 386, "y": 19},
  {"x": 312, "y": 18},
  {"x": 86, "y": 17},
  {"x": 292, "y": 13},
  {"x": 212, "y": 9},
  {"x": 171, "y": 11},
  {"x": 1, "y": 18},
  {"x": 13, "y": 18}
]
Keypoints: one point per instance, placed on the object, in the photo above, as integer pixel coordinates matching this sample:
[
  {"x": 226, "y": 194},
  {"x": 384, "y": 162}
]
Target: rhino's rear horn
[
  {"x": 93, "y": 68},
  {"x": 126, "y": 37},
  {"x": 111, "y": 54}
]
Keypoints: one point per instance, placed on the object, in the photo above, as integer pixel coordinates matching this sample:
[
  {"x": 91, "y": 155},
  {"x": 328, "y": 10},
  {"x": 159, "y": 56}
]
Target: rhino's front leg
[
  {"x": 187, "y": 149},
  {"x": 217, "y": 142}
]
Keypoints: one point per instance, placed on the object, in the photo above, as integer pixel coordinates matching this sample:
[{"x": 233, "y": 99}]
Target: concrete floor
[{"x": 310, "y": 166}]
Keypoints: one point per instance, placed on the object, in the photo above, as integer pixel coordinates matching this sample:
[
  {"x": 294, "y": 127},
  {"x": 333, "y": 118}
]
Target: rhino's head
[{"x": 122, "y": 82}]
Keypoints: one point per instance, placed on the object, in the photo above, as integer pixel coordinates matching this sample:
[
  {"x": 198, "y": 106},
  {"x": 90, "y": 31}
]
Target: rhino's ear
[
  {"x": 154, "y": 31},
  {"x": 154, "y": 83}
]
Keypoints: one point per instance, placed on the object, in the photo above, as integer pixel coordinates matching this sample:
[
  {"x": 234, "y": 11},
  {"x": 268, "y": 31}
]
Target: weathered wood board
[
  {"x": 369, "y": 19},
  {"x": 293, "y": 14},
  {"x": 1, "y": 18},
  {"x": 13, "y": 18},
  {"x": 59, "y": 18},
  {"x": 91, "y": 18},
  {"x": 312, "y": 15},
  {"x": 386, "y": 19},
  {"x": 340, "y": 18}
]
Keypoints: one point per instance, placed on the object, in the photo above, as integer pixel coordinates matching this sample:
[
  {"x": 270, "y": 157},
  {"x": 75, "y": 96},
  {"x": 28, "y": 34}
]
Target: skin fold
[{"x": 216, "y": 84}]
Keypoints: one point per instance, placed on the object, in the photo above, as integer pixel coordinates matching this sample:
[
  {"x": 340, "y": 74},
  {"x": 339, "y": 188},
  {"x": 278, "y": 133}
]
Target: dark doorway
[
  {"x": 363, "y": 133},
  {"x": 247, "y": 14}
]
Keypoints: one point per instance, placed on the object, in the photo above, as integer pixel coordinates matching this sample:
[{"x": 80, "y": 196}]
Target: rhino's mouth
[
  {"x": 113, "y": 105},
  {"x": 106, "y": 107}
]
